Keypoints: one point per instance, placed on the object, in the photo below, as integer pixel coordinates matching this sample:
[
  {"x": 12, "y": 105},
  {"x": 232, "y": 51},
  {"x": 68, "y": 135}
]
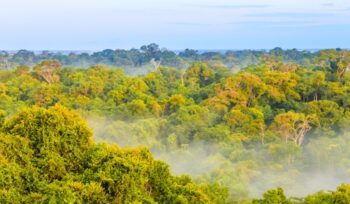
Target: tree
[
  {"x": 5, "y": 61},
  {"x": 189, "y": 53},
  {"x": 54, "y": 131},
  {"x": 22, "y": 70},
  {"x": 274, "y": 63},
  {"x": 249, "y": 121},
  {"x": 280, "y": 86},
  {"x": 329, "y": 115},
  {"x": 175, "y": 102},
  {"x": 137, "y": 107},
  {"x": 46, "y": 95},
  {"x": 243, "y": 89},
  {"x": 337, "y": 61},
  {"x": 152, "y": 51},
  {"x": 24, "y": 57},
  {"x": 48, "y": 70},
  {"x": 275, "y": 196},
  {"x": 293, "y": 126},
  {"x": 312, "y": 85},
  {"x": 2, "y": 117},
  {"x": 199, "y": 75}
]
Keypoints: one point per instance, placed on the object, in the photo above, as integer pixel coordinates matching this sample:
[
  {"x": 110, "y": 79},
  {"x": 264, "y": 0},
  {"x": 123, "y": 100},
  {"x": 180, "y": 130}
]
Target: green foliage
[
  {"x": 46, "y": 156},
  {"x": 135, "y": 59},
  {"x": 275, "y": 196},
  {"x": 54, "y": 131},
  {"x": 270, "y": 124}
]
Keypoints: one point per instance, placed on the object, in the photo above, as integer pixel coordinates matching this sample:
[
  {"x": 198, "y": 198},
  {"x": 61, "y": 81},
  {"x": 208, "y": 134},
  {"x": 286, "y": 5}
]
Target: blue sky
[{"x": 175, "y": 24}]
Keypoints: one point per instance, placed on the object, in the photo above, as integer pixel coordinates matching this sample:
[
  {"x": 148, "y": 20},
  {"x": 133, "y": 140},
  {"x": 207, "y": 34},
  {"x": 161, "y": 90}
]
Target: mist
[{"x": 205, "y": 161}]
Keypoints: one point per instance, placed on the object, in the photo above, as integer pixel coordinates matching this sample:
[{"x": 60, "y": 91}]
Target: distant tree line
[{"x": 148, "y": 54}]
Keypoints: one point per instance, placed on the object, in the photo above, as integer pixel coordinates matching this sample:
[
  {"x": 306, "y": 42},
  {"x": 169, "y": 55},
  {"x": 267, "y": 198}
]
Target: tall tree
[{"x": 48, "y": 70}]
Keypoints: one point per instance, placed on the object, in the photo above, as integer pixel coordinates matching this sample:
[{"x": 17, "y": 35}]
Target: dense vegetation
[
  {"x": 281, "y": 121},
  {"x": 47, "y": 156},
  {"x": 149, "y": 57}
]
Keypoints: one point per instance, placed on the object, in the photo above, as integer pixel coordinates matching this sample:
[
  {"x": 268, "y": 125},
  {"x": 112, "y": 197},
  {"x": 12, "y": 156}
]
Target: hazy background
[{"x": 175, "y": 24}]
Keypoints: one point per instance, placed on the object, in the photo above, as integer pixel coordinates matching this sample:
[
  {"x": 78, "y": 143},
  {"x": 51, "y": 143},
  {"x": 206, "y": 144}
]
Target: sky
[{"x": 174, "y": 24}]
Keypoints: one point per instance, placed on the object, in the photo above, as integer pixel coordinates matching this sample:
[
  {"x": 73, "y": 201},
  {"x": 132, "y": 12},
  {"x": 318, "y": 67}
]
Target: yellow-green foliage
[
  {"x": 267, "y": 125},
  {"x": 47, "y": 156}
]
